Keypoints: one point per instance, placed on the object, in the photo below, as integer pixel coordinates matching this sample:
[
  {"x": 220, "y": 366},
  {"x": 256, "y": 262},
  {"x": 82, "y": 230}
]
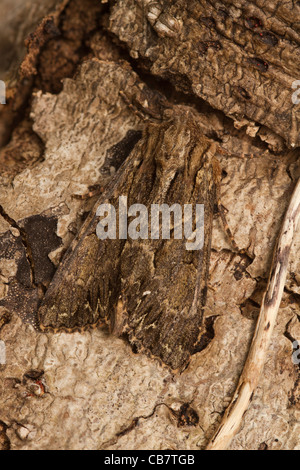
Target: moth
[{"x": 152, "y": 292}]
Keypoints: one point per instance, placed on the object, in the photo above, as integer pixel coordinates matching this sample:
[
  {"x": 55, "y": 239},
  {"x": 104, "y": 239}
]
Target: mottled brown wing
[
  {"x": 86, "y": 286},
  {"x": 152, "y": 290}
]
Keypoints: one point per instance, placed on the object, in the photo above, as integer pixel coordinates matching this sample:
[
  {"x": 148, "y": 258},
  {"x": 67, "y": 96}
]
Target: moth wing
[
  {"x": 86, "y": 285},
  {"x": 163, "y": 284},
  {"x": 152, "y": 290}
]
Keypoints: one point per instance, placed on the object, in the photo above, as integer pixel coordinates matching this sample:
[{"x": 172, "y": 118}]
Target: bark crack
[{"x": 134, "y": 423}]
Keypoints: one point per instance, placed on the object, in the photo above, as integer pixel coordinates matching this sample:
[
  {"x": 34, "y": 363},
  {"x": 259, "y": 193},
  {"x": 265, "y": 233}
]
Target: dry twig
[{"x": 267, "y": 319}]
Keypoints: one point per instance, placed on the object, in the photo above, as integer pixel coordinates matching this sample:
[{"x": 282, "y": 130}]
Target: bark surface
[
  {"x": 72, "y": 134},
  {"x": 241, "y": 57}
]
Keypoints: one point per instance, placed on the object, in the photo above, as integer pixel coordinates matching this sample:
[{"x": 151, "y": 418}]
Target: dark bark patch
[
  {"x": 5, "y": 318},
  {"x": 263, "y": 446},
  {"x": 223, "y": 13},
  {"x": 117, "y": 154},
  {"x": 253, "y": 22},
  {"x": 208, "y": 336},
  {"x": 214, "y": 45},
  {"x": 240, "y": 268},
  {"x": 4, "y": 440},
  {"x": 243, "y": 93},
  {"x": 42, "y": 238},
  {"x": 23, "y": 294},
  {"x": 33, "y": 374},
  {"x": 187, "y": 416},
  {"x": 268, "y": 38},
  {"x": 208, "y": 21},
  {"x": 203, "y": 46},
  {"x": 259, "y": 64}
]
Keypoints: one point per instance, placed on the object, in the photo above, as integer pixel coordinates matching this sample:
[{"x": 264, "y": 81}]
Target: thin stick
[{"x": 267, "y": 319}]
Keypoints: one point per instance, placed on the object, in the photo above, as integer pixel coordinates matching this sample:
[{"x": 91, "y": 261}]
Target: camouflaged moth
[{"x": 151, "y": 291}]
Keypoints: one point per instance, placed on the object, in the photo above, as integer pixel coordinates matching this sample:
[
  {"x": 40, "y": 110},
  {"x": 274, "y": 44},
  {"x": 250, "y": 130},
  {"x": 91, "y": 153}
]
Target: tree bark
[{"x": 93, "y": 75}]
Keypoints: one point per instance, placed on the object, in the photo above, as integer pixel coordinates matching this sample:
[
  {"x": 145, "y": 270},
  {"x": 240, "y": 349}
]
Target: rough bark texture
[
  {"x": 241, "y": 57},
  {"x": 90, "y": 391}
]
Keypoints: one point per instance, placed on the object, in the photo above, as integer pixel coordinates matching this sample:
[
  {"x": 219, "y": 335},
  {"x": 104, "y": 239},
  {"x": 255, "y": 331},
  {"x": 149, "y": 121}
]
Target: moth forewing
[{"x": 152, "y": 290}]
